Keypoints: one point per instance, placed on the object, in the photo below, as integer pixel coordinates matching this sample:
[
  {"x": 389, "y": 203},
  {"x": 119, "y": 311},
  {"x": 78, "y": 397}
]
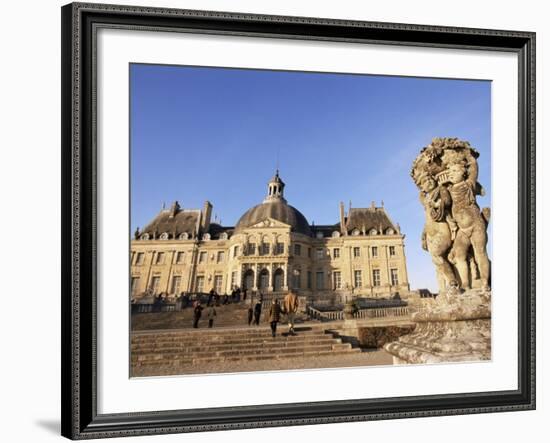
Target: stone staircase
[
  {"x": 234, "y": 314},
  {"x": 188, "y": 348}
]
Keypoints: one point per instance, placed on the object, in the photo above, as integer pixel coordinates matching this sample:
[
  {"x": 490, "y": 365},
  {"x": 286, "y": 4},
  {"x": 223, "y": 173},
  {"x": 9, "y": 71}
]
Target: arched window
[
  {"x": 356, "y": 232},
  {"x": 145, "y": 237},
  {"x": 223, "y": 236},
  {"x": 206, "y": 236},
  {"x": 390, "y": 231},
  {"x": 164, "y": 236},
  {"x": 373, "y": 232},
  {"x": 319, "y": 234},
  {"x": 184, "y": 236},
  {"x": 335, "y": 234}
]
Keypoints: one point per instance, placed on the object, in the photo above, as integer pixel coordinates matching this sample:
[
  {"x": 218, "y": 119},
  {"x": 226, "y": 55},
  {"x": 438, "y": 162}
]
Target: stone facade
[{"x": 272, "y": 248}]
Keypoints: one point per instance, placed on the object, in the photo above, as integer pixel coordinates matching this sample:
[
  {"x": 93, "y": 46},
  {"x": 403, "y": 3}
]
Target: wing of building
[{"x": 272, "y": 248}]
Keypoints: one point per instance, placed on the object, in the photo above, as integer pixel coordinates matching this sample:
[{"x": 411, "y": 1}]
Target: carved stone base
[{"x": 448, "y": 329}]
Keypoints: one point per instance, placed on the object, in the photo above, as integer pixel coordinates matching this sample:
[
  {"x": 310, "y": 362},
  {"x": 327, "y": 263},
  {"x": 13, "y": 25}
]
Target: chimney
[
  {"x": 206, "y": 214},
  {"x": 342, "y": 219}
]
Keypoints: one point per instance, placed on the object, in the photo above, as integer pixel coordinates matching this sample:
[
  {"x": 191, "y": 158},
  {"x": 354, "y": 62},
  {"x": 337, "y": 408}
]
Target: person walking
[
  {"x": 290, "y": 308},
  {"x": 211, "y": 314},
  {"x": 250, "y": 314},
  {"x": 274, "y": 316},
  {"x": 257, "y": 312},
  {"x": 197, "y": 312}
]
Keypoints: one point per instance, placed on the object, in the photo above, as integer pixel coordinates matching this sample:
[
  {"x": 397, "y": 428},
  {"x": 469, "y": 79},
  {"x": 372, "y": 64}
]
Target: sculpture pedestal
[{"x": 448, "y": 329}]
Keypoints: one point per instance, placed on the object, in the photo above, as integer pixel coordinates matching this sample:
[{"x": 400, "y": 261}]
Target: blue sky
[{"x": 215, "y": 134}]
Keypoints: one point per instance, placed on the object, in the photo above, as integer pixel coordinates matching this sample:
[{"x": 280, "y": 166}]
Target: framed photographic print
[{"x": 312, "y": 220}]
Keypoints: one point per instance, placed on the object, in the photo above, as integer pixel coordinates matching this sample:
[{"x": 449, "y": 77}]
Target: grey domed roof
[{"x": 277, "y": 209}]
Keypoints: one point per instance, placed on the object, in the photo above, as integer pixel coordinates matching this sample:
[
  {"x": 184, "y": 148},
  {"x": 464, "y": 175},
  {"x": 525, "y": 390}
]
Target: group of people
[
  {"x": 289, "y": 308},
  {"x": 197, "y": 314}
]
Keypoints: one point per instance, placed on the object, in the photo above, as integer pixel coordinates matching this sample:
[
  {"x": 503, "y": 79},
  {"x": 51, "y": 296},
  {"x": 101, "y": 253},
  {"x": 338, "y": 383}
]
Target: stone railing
[
  {"x": 401, "y": 311},
  {"x": 140, "y": 308},
  {"x": 324, "y": 315}
]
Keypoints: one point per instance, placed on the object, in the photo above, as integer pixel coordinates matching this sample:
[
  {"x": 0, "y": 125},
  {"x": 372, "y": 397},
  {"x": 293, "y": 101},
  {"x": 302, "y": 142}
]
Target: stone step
[
  {"x": 243, "y": 352},
  {"x": 229, "y": 339},
  {"x": 277, "y": 346},
  {"x": 233, "y": 331},
  {"x": 161, "y": 361},
  {"x": 223, "y": 335}
]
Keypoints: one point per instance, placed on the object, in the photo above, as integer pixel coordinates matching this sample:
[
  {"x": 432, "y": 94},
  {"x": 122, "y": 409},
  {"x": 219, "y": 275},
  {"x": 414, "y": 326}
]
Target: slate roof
[
  {"x": 366, "y": 219},
  {"x": 183, "y": 221}
]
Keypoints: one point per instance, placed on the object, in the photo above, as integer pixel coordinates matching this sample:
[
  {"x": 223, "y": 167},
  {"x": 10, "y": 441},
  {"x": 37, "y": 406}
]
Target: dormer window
[
  {"x": 356, "y": 232},
  {"x": 206, "y": 236},
  {"x": 184, "y": 236},
  {"x": 144, "y": 237},
  {"x": 164, "y": 236},
  {"x": 335, "y": 234},
  {"x": 319, "y": 235},
  {"x": 373, "y": 232}
]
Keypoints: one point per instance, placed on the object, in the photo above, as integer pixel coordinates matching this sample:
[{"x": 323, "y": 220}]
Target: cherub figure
[
  {"x": 439, "y": 229},
  {"x": 472, "y": 226}
]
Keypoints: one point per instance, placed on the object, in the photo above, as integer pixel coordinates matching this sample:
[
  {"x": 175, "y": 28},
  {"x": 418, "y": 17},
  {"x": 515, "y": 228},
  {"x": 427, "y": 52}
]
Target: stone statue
[
  {"x": 456, "y": 325},
  {"x": 455, "y": 232},
  {"x": 439, "y": 230}
]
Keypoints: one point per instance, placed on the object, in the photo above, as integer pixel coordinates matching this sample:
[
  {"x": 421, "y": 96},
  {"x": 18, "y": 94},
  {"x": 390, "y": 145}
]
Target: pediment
[{"x": 270, "y": 223}]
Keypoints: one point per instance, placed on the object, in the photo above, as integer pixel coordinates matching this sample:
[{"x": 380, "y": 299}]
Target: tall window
[
  {"x": 392, "y": 251},
  {"x": 160, "y": 258},
  {"x": 251, "y": 248},
  {"x": 264, "y": 249},
  {"x": 233, "y": 279},
  {"x": 394, "y": 277},
  {"x": 155, "y": 282},
  {"x": 296, "y": 279},
  {"x": 235, "y": 251},
  {"x": 139, "y": 258},
  {"x": 180, "y": 256},
  {"x": 357, "y": 252},
  {"x": 357, "y": 279},
  {"x": 376, "y": 277},
  {"x": 337, "y": 279},
  {"x": 176, "y": 283},
  {"x": 297, "y": 249},
  {"x": 134, "y": 285},
  {"x": 280, "y": 248},
  {"x": 320, "y": 253},
  {"x": 218, "y": 280},
  {"x": 320, "y": 280},
  {"x": 221, "y": 256},
  {"x": 336, "y": 253},
  {"x": 308, "y": 252},
  {"x": 199, "y": 286},
  {"x": 309, "y": 278},
  {"x": 202, "y": 257},
  {"x": 374, "y": 251}
]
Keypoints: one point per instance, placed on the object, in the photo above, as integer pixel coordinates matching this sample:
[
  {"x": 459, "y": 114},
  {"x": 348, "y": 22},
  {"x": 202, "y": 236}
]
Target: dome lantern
[{"x": 275, "y": 189}]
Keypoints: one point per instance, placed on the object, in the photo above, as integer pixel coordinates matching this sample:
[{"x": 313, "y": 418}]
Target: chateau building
[{"x": 272, "y": 248}]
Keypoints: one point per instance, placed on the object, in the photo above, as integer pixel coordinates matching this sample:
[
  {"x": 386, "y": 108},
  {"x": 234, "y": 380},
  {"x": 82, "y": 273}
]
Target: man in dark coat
[
  {"x": 197, "y": 312},
  {"x": 274, "y": 316},
  {"x": 250, "y": 314},
  {"x": 257, "y": 312}
]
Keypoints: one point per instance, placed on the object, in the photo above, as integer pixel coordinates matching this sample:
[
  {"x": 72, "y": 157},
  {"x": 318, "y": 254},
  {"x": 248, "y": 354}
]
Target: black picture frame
[{"x": 79, "y": 210}]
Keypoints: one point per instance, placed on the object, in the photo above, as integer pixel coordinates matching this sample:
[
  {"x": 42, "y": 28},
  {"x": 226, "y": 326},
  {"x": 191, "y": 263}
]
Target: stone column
[{"x": 286, "y": 277}]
